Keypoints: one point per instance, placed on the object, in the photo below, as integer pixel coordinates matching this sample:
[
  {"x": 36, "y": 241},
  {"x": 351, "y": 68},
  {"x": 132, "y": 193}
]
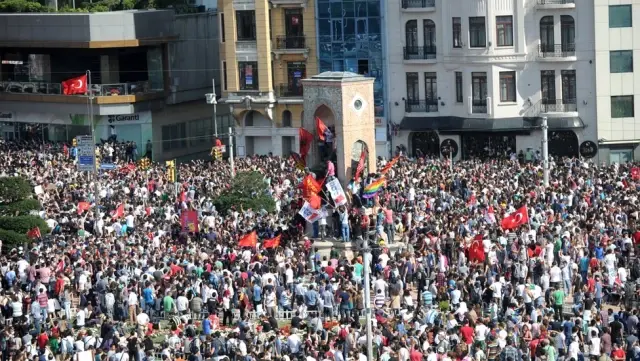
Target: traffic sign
[
  {"x": 86, "y": 153},
  {"x": 107, "y": 166}
]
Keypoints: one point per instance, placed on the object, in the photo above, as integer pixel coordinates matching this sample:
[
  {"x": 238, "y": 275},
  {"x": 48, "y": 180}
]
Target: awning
[{"x": 459, "y": 124}]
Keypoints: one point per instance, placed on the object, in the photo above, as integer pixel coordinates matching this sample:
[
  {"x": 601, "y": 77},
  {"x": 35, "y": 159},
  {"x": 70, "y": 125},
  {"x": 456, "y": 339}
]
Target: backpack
[
  {"x": 193, "y": 348},
  {"x": 343, "y": 333}
]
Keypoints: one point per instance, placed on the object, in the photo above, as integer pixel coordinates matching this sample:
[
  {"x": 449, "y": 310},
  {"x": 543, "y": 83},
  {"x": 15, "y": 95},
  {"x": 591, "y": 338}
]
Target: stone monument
[{"x": 343, "y": 101}]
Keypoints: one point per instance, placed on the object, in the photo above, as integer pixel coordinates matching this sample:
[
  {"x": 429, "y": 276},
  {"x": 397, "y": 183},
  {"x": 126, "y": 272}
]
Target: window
[
  {"x": 479, "y": 85},
  {"x": 248, "y": 71},
  {"x": 507, "y": 86},
  {"x": 459, "y": 92},
  {"x": 457, "y": 32},
  {"x": 621, "y": 61},
  {"x": 504, "y": 30},
  {"x": 429, "y": 30},
  {"x": 622, "y": 106},
  {"x": 413, "y": 89},
  {"x": 411, "y": 36},
  {"x": 224, "y": 75},
  {"x": 174, "y": 136},
  {"x": 222, "y": 34},
  {"x": 547, "y": 34},
  {"x": 431, "y": 87},
  {"x": 620, "y": 16},
  {"x": 246, "y": 21},
  {"x": 477, "y": 32},
  {"x": 620, "y": 156},
  {"x": 198, "y": 131},
  {"x": 568, "y": 87}
]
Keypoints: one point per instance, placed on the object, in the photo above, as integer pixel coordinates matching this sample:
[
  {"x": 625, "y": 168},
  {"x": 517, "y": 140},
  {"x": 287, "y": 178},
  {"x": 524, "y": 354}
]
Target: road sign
[
  {"x": 86, "y": 153},
  {"x": 107, "y": 166}
]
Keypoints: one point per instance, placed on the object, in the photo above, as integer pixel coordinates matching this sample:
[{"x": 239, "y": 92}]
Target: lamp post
[
  {"x": 211, "y": 99},
  {"x": 93, "y": 137},
  {"x": 545, "y": 152}
]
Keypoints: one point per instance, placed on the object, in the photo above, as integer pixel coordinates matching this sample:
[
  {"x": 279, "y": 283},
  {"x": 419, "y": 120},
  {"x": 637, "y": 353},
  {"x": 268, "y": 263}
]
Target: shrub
[
  {"x": 248, "y": 190},
  {"x": 23, "y": 224},
  {"x": 13, "y": 189},
  {"x": 22, "y": 208},
  {"x": 11, "y": 239}
]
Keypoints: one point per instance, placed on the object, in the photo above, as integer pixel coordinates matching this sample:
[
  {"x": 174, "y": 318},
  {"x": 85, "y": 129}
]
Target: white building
[
  {"x": 616, "y": 24},
  {"x": 479, "y": 75}
]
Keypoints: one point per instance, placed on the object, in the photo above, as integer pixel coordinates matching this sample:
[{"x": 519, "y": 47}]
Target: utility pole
[
  {"x": 367, "y": 295},
  {"x": 211, "y": 99},
  {"x": 231, "y": 162},
  {"x": 545, "y": 152},
  {"x": 93, "y": 137}
]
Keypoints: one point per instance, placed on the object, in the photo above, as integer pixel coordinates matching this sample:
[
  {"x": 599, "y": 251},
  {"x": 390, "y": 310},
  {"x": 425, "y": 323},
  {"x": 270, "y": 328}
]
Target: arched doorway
[
  {"x": 357, "y": 150},
  {"x": 563, "y": 143},
  {"x": 425, "y": 144},
  {"x": 286, "y": 119}
]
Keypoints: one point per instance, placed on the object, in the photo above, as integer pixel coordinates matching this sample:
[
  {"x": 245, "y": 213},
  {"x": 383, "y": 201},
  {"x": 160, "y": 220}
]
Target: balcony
[
  {"x": 420, "y": 53},
  {"x": 104, "y": 93},
  {"x": 288, "y": 91},
  {"x": 418, "y": 5},
  {"x": 289, "y": 44},
  {"x": 557, "y": 52},
  {"x": 478, "y": 107},
  {"x": 246, "y": 46},
  {"x": 558, "y": 106},
  {"x": 421, "y": 106},
  {"x": 555, "y": 4}
]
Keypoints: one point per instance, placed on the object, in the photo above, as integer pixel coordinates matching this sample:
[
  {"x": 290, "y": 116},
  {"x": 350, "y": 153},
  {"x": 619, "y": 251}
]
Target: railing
[
  {"x": 558, "y": 106},
  {"x": 56, "y": 88},
  {"x": 414, "y": 4},
  {"x": 424, "y": 106},
  {"x": 288, "y": 42},
  {"x": 556, "y": 2},
  {"x": 556, "y": 50},
  {"x": 285, "y": 90},
  {"x": 479, "y": 107},
  {"x": 419, "y": 52}
]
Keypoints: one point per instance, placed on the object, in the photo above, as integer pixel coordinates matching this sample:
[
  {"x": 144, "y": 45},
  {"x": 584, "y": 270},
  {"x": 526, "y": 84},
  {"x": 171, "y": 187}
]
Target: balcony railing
[
  {"x": 56, "y": 88},
  {"x": 288, "y": 42},
  {"x": 479, "y": 107},
  {"x": 419, "y": 52},
  {"x": 556, "y": 2},
  {"x": 416, "y": 4},
  {"x": 556, "y": 50},
  {"x": 288, "y": 91},
  {"x": 420, "y": 106},
  {"x": 558, "y": 106}
]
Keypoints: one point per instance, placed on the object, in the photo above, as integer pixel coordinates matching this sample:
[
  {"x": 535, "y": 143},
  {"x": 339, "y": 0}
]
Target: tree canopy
[
  {"x": 83, "y": 6},
  {"x": 248, "y": 190}
]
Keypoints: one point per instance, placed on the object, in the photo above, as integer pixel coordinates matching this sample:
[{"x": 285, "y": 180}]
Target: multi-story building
[
  {"x": 351, "y": 37},
  {"x": 146, "y": 75},
  {"x": 617, "y": 79},
  {"x": 267, "y": 47},
  {"x": 475, "y": 77}
]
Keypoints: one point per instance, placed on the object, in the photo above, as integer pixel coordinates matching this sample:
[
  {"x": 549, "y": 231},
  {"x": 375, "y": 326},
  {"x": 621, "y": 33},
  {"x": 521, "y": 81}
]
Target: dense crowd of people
[{"x": 119, "y": 280}]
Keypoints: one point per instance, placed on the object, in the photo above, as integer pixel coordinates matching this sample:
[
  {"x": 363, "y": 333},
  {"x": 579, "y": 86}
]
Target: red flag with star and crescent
[
  {"x": 516, "y": 219},
  {"x": 75, "y": 85}
]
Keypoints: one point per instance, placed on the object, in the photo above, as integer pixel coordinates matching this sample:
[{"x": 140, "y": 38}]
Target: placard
[{"x": 337, "y": 193}]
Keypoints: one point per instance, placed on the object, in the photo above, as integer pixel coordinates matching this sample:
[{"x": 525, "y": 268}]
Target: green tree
[
  {"x": 13, "y": 189},
  {"x": 20, "y": 208},
  {"x": 248, "y": 190},
  {"x": 23, "y": 224},
  {"x": 22, "y": 6},
  {"x": 11, "y": 239}
]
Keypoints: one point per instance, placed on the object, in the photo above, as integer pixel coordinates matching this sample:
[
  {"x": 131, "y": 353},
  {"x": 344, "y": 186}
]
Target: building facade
[
  {"x": 474, "y": 78},
  {"x": 266, "y": 48},
  {"x": 351, "y": 38},
  {"x": 617, "y": 84}
]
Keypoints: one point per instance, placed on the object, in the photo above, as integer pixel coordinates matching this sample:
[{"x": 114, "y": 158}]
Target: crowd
[{"x": 121, "y": 281}]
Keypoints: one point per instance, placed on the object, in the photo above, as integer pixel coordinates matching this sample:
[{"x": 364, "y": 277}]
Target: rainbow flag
[{"x": 373, "y": 188}]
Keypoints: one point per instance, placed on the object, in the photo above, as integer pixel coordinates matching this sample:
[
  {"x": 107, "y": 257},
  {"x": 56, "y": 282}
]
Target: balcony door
[
  {"x": 429, "y": 29},
  {"x": 411, "y": 36},
  {"x": 296, "y": 71},
  {"x": 548, "y": 86},
  {"x": 547, "y": 41},
  {"x": 568, "y": 33},
  {"x": 479, "y": 88},
  {"x": 293, "y": 22}
]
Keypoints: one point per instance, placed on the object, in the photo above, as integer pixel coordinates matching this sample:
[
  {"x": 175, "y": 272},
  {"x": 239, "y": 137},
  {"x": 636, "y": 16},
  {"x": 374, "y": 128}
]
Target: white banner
[
  {"x": 337, "y": 193},
  {"x": 311, "y": 215}
]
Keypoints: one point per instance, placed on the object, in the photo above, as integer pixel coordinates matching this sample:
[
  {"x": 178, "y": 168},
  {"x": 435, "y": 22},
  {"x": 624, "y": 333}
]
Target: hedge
[
  {"x": 23, "y": 224},
  {"x": 22, "y": 207},
  {"x": 11, "y": 239},
  {"x": 13, "y": 189}
]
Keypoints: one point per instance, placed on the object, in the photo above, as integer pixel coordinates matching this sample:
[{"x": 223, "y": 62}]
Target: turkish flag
[
  {"x": 320, "y": 128},
  {"x": 306, "y": 138},
  {"x": 476, "y": 250},
  {"x": 516, "y": 219},
  {"x": 272, "y": 243},
  {"x": 75, "y": 85},
  {"x": 248, "y": 240}
]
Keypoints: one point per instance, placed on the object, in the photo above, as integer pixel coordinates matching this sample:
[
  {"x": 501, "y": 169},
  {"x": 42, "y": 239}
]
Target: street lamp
[{"x": 211, "y": 99}]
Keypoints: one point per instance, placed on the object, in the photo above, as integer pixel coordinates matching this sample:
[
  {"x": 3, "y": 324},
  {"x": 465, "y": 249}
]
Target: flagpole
[{"x": 93, "y": 136}]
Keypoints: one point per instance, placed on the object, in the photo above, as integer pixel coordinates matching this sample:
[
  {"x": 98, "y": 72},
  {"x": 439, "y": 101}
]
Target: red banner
[
  {"x": 189, "y": 221},
  {"x": 360, "y": 167}
]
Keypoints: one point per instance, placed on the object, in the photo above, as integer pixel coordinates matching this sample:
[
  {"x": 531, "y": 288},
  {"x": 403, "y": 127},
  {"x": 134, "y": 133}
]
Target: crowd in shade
[{"x": 478, "y": 261}]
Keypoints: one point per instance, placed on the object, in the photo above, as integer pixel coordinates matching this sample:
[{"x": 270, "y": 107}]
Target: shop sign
[
  {"x": 123, "y": 118},
  {"x": 588, "y": 149},
  {"x": 4, "y": 115},
  {"x": 449, "y": 148}
]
